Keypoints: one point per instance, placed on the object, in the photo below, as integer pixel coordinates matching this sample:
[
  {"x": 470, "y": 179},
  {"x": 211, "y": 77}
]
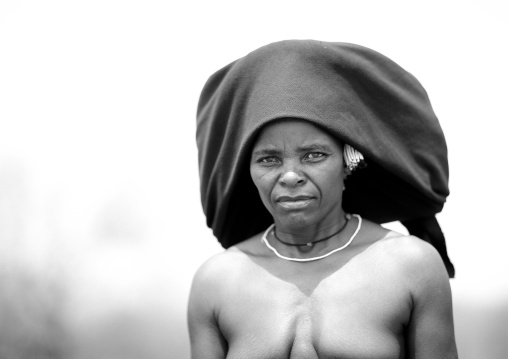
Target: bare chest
[{"x": 347, "y": 314}]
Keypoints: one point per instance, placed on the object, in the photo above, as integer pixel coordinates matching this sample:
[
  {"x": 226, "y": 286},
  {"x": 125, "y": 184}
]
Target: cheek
[
  {"x": 330, "y": 182},
  {"x": 260, "y": 179},
  {"x": 264, "y": 183}
]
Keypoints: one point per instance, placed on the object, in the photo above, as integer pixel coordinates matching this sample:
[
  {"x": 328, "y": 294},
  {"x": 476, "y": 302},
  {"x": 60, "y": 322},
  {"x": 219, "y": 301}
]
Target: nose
[{"x": 292, "y": 178}]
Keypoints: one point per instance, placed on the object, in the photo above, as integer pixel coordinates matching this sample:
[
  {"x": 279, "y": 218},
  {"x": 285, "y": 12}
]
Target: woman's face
[{"x": 299, "y": 172}]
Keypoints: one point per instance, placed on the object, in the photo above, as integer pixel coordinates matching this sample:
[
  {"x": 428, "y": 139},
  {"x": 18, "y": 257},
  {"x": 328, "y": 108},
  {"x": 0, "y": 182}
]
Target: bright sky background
[{"x": 99, "y": 188}]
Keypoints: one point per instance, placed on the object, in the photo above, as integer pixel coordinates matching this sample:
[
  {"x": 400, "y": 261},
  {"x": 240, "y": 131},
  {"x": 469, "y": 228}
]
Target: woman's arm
[
  {"x": 206, "y": 339},
  {"x": 430, "y": 332}
]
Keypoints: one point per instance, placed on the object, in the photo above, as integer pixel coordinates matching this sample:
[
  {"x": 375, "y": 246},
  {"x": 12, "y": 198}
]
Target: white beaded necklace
[{"x": 313, "y": 258}]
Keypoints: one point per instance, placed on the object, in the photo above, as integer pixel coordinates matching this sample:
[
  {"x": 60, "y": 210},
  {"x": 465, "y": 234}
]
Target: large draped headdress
[{"x": 356, "y": 94}]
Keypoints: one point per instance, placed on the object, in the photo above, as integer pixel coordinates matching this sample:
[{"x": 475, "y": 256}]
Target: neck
[
  {"x": 310, "y": 235},
  {"x": 295, "y": 257}
]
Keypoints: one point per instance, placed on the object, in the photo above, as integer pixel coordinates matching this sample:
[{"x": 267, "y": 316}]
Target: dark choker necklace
[{"x": 310, "y": 244}]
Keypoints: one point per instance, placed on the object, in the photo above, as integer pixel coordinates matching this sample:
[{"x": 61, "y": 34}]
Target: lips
[{"x": 294, "y": 202}]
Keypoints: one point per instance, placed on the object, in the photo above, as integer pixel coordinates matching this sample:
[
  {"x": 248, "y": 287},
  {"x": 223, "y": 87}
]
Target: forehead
[{"x": 294, "y": 131}]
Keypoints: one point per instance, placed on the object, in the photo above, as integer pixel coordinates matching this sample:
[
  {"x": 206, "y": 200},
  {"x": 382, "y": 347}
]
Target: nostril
[{"x": 291, "y": 178}]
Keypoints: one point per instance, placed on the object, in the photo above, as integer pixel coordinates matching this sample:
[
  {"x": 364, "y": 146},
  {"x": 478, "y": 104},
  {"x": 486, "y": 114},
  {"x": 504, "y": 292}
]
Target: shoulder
[
  {"x": 208, "y": 285},
  {"x": 224, "y": 267},
  {"x": 411, "y": 256},
  {"x": 218, "y": 277},
  {"x": 414, "y": 253},
  {"x": 417, "y": 261},
  {"x": 218, "y": 268}
]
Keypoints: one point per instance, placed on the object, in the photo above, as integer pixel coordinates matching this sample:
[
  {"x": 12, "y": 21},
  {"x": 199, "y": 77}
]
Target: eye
[
  {"x": 314, "y": 156},
  {"x": 268, "y": 160}
]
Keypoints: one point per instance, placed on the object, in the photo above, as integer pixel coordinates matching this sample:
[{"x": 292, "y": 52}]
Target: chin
[{"x": 295, "y": 220}]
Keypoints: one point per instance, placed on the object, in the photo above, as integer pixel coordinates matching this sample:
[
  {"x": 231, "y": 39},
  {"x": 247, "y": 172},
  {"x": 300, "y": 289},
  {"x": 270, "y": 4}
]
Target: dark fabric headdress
[{"x": 356, "y": 94}]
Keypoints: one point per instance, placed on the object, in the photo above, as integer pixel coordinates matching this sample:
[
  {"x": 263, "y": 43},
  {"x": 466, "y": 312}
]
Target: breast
[
  {"x": 356, "y": 311},
  {"x": 360, "y": 314},
  {"x": 340, "y": 319}
]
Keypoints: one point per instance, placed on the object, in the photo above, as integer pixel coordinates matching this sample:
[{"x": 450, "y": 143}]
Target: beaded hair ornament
[{"x": 352, "y": 158}]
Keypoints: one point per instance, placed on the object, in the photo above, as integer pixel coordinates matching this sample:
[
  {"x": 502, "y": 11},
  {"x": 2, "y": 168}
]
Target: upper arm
[
  {"x": 430, "y": 331},
  {"x": 206, "y": 338}
]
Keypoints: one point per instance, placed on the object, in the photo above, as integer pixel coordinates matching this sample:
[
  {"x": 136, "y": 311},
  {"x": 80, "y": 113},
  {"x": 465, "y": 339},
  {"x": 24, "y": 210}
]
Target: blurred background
[{"x": 101, "y": 226}]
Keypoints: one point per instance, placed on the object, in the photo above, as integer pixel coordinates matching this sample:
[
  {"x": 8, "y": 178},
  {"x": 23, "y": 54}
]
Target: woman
[{"x": 308, "y": 273}]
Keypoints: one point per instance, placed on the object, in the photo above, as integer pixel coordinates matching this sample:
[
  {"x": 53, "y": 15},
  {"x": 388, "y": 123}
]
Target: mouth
[{"x": 296, "y": 202}]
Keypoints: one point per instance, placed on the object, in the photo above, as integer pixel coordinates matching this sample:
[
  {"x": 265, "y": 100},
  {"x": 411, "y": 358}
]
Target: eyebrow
[
  {"x": 266, "y": 152},
  {"x": 314, "y": 147},
  {"x": 305, "y": 148}
]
